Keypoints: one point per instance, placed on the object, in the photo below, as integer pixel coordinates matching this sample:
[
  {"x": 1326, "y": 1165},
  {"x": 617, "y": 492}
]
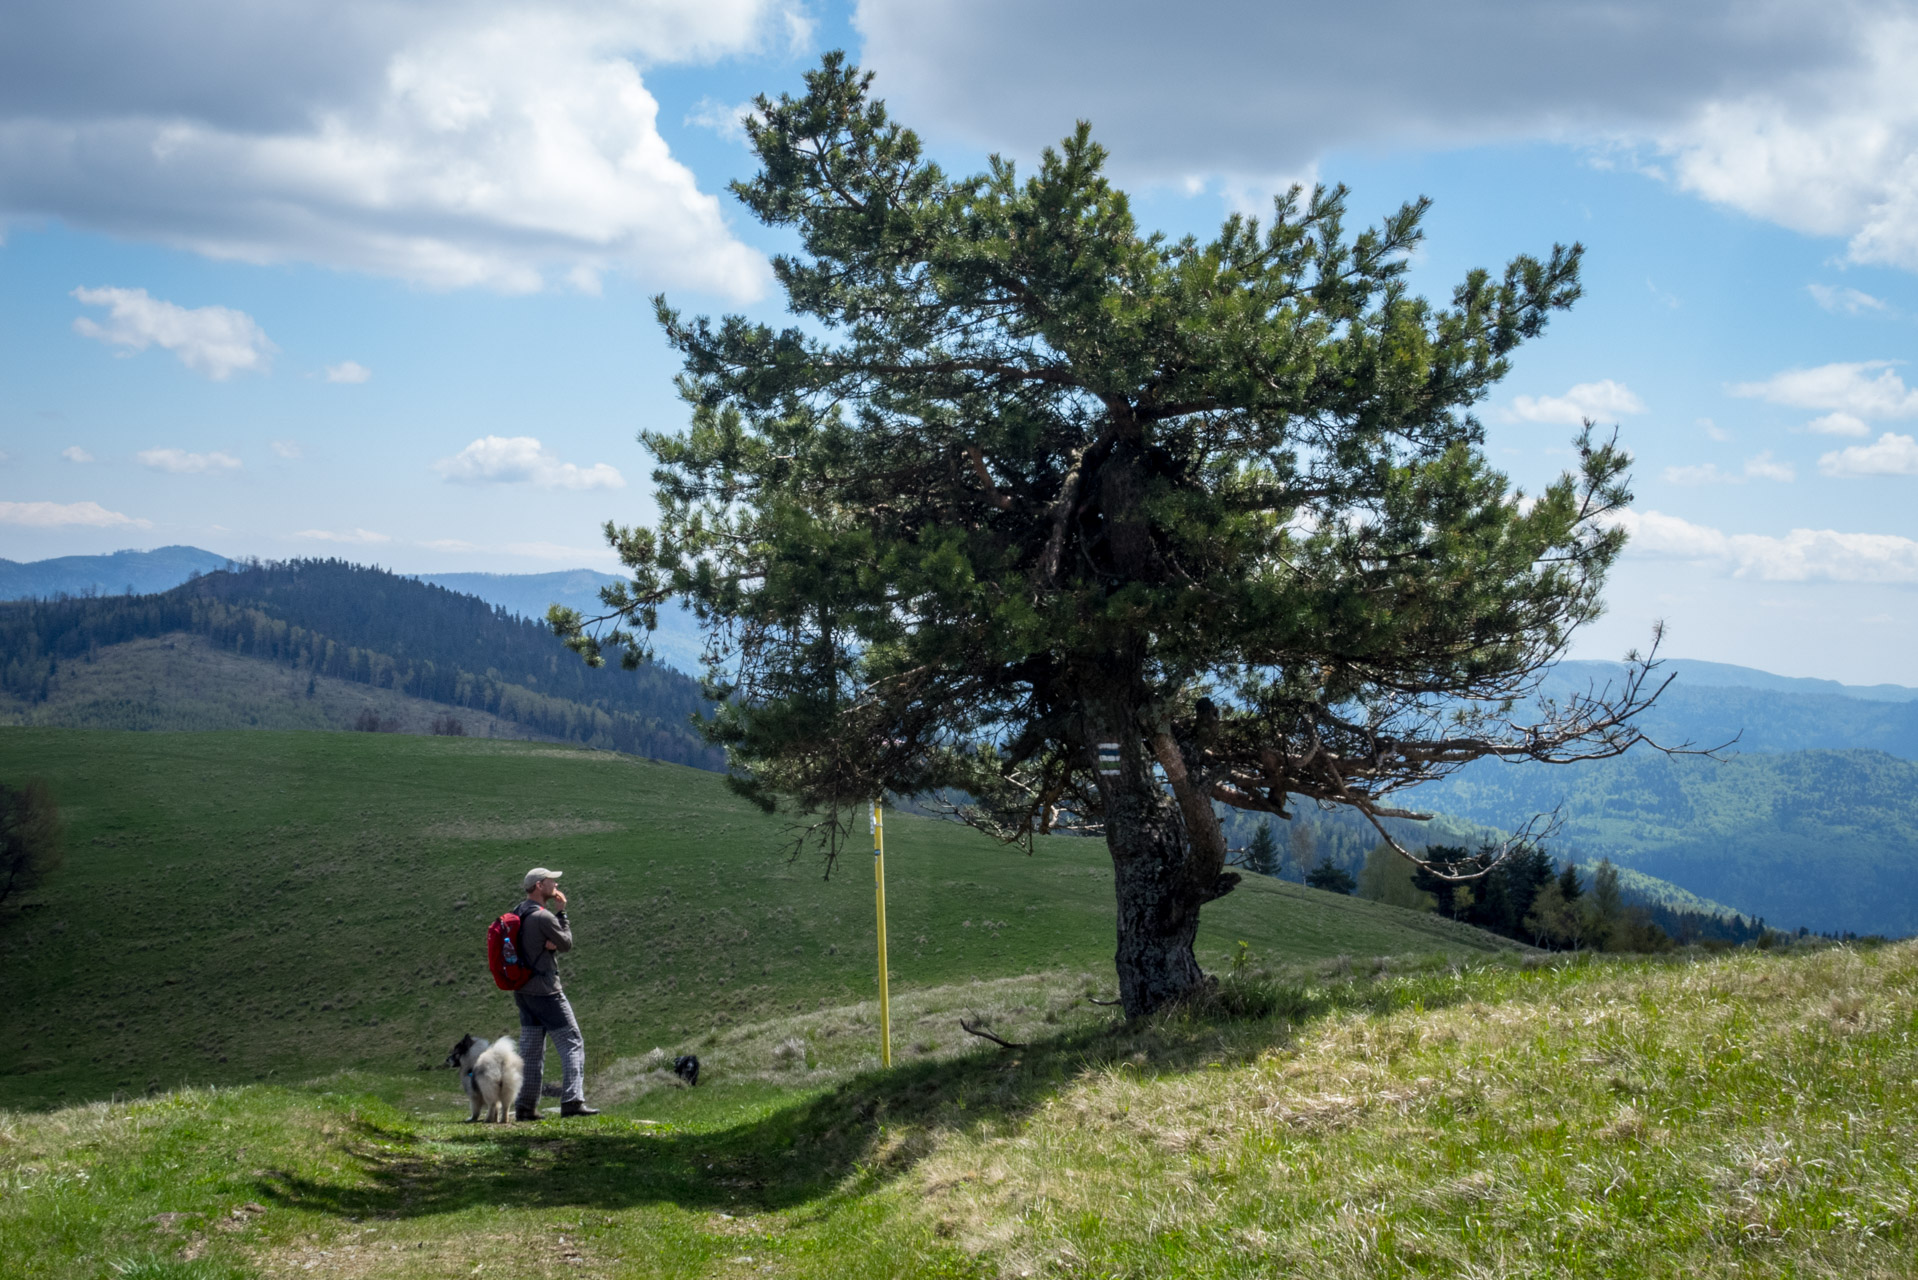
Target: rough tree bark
[{"x": 1168, "y": 858}]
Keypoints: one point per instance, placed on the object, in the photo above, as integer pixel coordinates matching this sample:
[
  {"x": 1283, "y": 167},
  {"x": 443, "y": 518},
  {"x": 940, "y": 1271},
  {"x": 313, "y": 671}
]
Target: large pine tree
[{"x": 1101, "y": 529}]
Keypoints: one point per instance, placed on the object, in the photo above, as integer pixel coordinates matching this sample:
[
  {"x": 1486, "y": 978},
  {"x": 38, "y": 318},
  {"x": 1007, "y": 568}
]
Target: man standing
[{"x": 543, "y": 1010}]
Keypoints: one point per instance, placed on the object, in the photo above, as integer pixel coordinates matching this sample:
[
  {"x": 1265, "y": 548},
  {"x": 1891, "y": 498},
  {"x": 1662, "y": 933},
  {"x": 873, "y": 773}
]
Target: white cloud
[
  {"x": 722, "y": 118},
  {"x": 1889, "y": 455},
  {"x": 1705, "y": 473},
  {"x": 1827, "y": 151},
  {"x": 353, "y": 537},
  {"x": 348, "y": 371},
  {"x": 288, "y": 449},
  {"x": 1865, "y": 389},
  {"x": 1713, "y": 431},
  {"x": 182, "y": 463},
  {"x": 1838, "y": 424},
  {"x": 523, "y": 460},
  {"x": 1803, "y": 555},
  {"x": 1851, "y": 302},
  {"x": 1796, "y": 111},
  {"x": 74, "y": 453},
  {"x": 1274, "y": 85},
  {"x": 1762, "y": 467},
  {"x": 216, "y": 341},
  {"x": 453, "y": 143},
  {"x": 54, "y": 515},
  {"x": 1602, "y": 399},
  {"x": 450, "y": 544}
]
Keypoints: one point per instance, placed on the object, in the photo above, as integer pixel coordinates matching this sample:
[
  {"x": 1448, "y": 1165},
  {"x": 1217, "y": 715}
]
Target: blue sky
[{"x": 373, "y": 280}]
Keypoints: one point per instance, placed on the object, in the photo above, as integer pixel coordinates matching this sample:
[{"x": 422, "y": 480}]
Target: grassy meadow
[
  {"x": 259, "y": 938},
  {"x": 251, "y": 906},
  {"x": 1745, "y": 1115}
]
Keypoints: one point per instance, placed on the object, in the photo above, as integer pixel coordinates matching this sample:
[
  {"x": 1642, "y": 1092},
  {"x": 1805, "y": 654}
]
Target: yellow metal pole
[{"x": 879, "y": 882}]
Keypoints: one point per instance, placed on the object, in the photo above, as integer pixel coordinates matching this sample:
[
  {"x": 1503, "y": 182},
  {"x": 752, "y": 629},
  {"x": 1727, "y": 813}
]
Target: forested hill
[
  {"x": 375, "y": 628},
  {"x": 1826, "y": 839}
]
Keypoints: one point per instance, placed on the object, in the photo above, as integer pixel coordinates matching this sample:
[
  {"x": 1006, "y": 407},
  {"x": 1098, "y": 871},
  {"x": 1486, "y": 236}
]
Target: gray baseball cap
[{"x": 538, "y": 874}]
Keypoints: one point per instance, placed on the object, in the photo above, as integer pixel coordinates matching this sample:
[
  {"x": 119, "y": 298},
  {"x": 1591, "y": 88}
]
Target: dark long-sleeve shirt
[{"x": 539, "y": 927}]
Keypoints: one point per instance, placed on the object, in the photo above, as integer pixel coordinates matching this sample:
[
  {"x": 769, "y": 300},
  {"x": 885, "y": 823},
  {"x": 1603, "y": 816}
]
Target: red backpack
[{"x": 504, "y": 956}]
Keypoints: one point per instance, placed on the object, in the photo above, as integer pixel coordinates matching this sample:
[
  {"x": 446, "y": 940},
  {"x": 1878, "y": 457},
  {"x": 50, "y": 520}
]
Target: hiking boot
[
  {"x": 525, "y": 1115},
  {"x": 577, "y": 1109}
]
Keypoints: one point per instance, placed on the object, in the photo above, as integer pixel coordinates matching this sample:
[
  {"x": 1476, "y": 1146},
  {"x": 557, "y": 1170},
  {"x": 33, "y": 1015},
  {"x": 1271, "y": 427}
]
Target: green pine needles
[{"x": 1024, "y": 481}]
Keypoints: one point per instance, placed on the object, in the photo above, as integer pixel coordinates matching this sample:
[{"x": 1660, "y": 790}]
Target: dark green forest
[{"x": 370, "y": 627}]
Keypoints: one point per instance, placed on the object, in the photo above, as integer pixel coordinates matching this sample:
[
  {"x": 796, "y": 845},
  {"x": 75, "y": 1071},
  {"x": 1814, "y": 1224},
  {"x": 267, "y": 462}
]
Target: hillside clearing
[
  {"x": 181, "y": 683},
  {"x": 1745, "y": 1115}
]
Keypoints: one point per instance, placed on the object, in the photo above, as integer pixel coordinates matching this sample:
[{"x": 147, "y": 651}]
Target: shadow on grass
[{"x": 869, "y": 1130}]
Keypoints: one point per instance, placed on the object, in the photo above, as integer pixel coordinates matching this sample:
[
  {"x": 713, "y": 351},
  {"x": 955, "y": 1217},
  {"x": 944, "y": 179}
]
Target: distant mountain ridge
[
  {"x": 677, "y": 642},
  {"x": 1696, "y": 674},
  {"x": 529, "y": 595},
  {"x": 1752, "y": 718},
  {"x": 138, "y": 572}
]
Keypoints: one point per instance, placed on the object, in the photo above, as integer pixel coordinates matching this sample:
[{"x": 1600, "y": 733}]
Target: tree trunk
[
  {"x": 1158, "y": 882},
  {"x": 1158, "y": 908}
]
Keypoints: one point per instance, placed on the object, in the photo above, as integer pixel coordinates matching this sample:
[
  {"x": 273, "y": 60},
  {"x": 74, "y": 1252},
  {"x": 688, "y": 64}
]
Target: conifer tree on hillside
[
  {"x": 1262, "y": 852},
  {"x": 1100, "y": 528},
  {"x": 1508, "y": 892},
  {"x": 1332, "y": 878}
]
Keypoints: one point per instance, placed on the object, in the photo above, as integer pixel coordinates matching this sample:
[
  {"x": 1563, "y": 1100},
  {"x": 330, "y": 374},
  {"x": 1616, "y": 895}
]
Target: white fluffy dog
[{"x": 490, "y": 1076}]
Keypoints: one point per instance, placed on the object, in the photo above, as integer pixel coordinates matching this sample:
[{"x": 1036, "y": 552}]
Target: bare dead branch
[{"x": 983, "y": 1034}]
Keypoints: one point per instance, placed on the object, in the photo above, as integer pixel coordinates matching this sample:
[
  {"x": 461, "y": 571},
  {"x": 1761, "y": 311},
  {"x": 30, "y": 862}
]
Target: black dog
[{"x": 686, "y": 1067}]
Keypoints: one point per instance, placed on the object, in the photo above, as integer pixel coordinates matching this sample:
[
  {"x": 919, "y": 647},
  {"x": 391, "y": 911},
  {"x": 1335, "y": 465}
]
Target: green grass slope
[
  {"x": 270, "y": 906},
  {"x": 1748, "y": 1116}
]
